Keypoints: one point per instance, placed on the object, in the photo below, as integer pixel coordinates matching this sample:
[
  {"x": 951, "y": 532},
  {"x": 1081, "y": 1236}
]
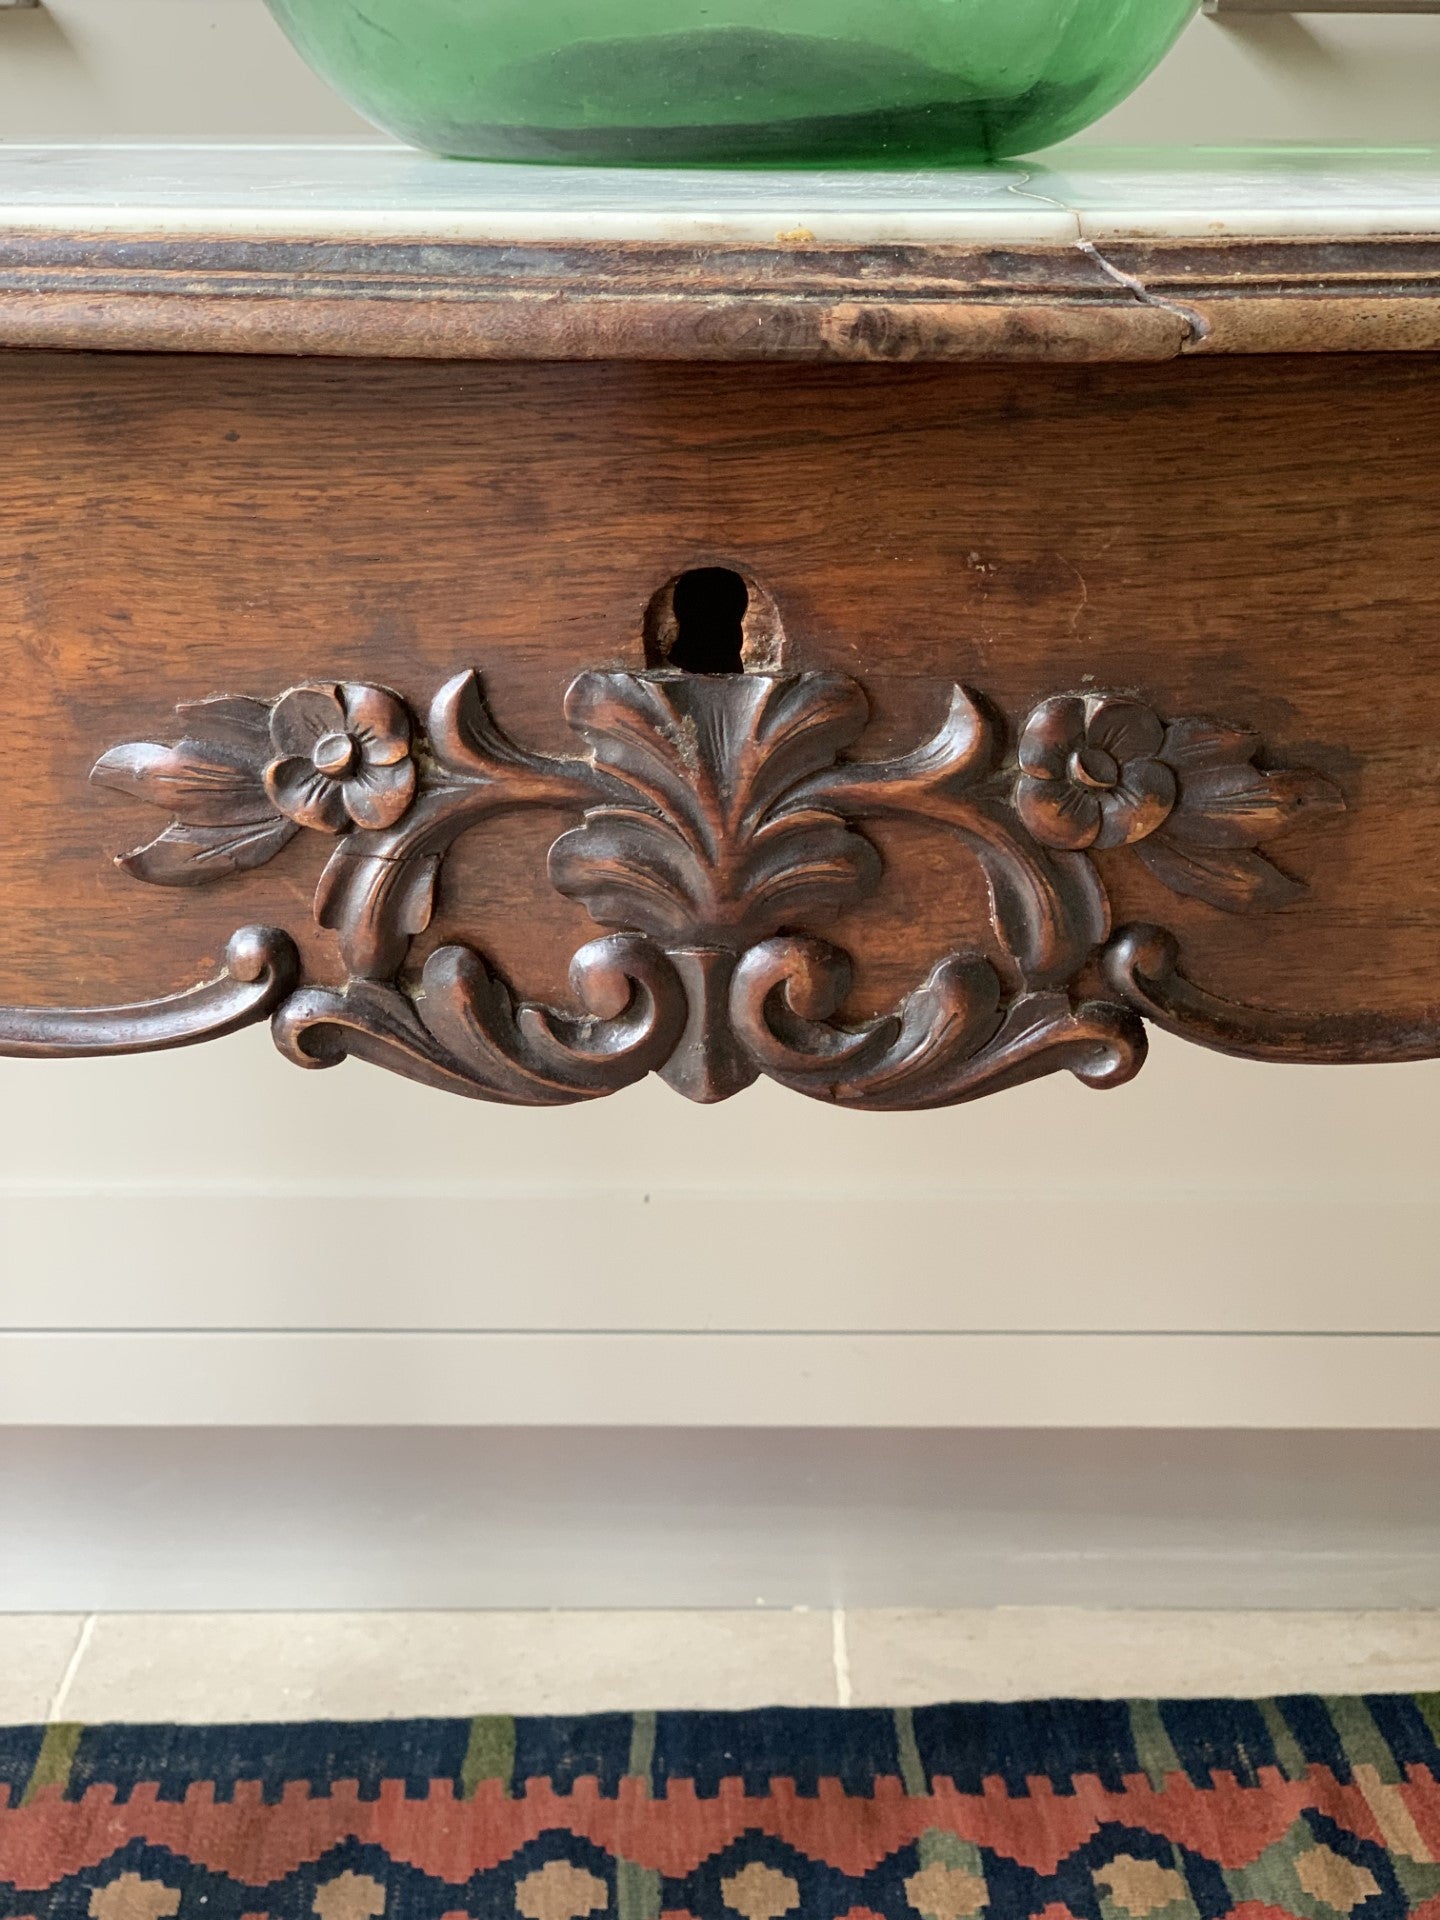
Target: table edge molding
[{"x": 1139, "y": 300}]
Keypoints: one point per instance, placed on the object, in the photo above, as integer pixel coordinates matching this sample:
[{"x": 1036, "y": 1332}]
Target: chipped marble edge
[
  {"x": 1349, "y": 223},
  {"x": 778, "y": 227},
  {"x": 797, "y": 225}
]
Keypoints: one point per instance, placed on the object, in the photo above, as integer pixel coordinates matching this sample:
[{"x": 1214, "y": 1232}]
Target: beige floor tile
[
  {"x": 294, "y": 1666},
  {"x": 35, "y": 1651},
  {"x": 905, "y": 1658},
  {"x": 361, "y": 1666}
]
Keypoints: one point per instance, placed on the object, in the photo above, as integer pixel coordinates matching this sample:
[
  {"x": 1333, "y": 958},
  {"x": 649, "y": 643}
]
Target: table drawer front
[{"x": 1244, "y": 543}]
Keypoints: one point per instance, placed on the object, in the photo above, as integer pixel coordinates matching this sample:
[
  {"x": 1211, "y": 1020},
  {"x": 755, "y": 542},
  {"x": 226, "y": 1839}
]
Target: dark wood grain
[
  {"x": 794, "y": 299},
  {"x": 1242, "y": 540}
]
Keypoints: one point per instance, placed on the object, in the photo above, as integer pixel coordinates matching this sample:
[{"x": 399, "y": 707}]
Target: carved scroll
[
  {"x": 1142, "y": 964},
  {"x": 260, "y": 970},
  {"x": 719, "y": 826}
]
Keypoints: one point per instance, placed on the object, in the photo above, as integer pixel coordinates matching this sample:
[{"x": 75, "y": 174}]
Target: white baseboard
[{"x": 103, "y": 1520}]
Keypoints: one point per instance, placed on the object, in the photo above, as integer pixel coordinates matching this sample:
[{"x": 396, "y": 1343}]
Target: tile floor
[{"x": 378, "y": 1665}]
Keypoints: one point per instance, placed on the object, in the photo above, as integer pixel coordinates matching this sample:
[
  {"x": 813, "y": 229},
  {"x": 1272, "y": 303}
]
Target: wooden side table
[{"x": 528, "y": 630}]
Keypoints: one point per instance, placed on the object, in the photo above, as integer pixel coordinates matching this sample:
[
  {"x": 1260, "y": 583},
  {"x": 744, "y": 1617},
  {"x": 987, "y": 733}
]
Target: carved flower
[
  {"x": 1091, "y": 773},
  {"x": 1103, "y": 770},
  {"x": 344, "y": 758}
]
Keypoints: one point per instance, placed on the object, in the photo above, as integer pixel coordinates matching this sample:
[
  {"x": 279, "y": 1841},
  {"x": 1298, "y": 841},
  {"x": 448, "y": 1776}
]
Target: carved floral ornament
[{"x": 719, "y": 825}]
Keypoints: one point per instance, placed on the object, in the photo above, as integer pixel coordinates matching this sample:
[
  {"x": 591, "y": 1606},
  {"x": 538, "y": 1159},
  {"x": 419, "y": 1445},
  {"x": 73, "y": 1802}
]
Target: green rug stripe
[
  {"x": 1153, "y": 1744},
  {"x": 638, "y": 1891},
  {"x": 1364, "y": 1744},
  {"x": 912, "y": 1767},
  {"x": 489, "y": 1753},
  {"x": 1288, "y": 1751},
  {"x": 642, "y": 1747},
  {"x": 54, "y": 1760}
]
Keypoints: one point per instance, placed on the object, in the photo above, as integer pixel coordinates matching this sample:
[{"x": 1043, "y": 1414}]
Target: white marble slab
[
  {"x": 1260, "y": 192},
  {"x": 375, "y": 190}
]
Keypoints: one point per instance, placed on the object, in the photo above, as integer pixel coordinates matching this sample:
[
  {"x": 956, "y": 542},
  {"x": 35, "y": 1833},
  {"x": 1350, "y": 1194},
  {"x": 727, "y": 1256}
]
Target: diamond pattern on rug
[{"x": 1299, "y": 1808}]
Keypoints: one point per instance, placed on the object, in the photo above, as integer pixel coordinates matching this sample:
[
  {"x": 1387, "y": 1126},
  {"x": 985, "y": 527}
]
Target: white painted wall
[
  {"x": 1218, "y": 1246},
  {"x": 212, "y": 1238}
]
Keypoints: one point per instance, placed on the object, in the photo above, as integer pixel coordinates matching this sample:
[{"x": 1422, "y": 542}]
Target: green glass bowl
[{"x": 733, "y": 82}]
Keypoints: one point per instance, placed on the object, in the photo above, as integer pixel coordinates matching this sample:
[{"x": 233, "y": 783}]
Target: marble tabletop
[{"x": 378, "y": 191}]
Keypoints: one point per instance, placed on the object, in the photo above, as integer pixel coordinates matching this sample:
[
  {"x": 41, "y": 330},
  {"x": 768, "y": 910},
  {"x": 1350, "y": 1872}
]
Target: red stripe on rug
[{"x": 673, "y": 1834}]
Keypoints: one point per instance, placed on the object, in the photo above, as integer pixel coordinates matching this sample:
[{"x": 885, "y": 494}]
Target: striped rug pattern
[{"x": 1322, "y": 1809}]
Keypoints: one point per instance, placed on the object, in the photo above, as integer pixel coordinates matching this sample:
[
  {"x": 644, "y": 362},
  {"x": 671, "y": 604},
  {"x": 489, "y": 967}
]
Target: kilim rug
[{"x": 1325, "y": 1809}]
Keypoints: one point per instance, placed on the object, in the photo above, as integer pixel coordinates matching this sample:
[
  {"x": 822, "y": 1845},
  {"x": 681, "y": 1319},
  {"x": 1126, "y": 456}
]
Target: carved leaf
[
  {"x": 1192, "y": 744},
  {"x": 634, "y": 1013},
  {"x": 212, "y": 784},
  {"x": 944, "y": 1024},
  {"x": 1103, "y": 1046},
  {"x": 631, "y": 869},
  {"x": 463, "y": 735},
  {"x": 536, "y": 1056},
  {"x": 203, "y": 783},
  {"x": 718, "y": 846},
  {"x": 1048, "y": 906},
  {"x": 1232, "y": 878},
  {"x": 367, "y": 1020},
  {"x": 378, "y": 890},
  {"x": 469, "y": 1010},
  {"x": 186, "y": 856},
  {"x": 951, "y": 1040},
  {"x": 465, "y": 1033},
  {"x": 467, "y": 742},
  {"x": 231, "y": 720},
  {"x": 1235, "y": 806},
  {"x": 786, "y": 994},
  {"x": 377, "y": 901},
  {"x": 928, "y": 783},
  {"x": 715, "y": 755}
]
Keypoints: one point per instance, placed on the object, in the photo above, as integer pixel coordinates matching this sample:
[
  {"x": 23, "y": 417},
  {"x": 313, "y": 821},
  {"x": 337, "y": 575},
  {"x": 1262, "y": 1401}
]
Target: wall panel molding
[{"x": 940, "y": 1380}]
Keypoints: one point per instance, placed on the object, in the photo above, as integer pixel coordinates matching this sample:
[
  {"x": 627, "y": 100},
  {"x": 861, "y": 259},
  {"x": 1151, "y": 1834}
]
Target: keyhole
[{"x": 710, "y": 605}]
